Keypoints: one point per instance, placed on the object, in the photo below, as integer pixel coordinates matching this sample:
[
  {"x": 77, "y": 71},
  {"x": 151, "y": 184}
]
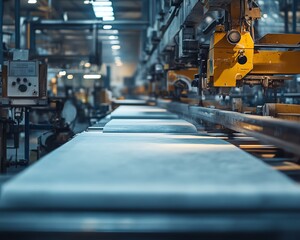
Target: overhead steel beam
[
  {"x": 116, "y": 9},
  {"x": 283, "y": 134},
  {"x": 84, "y": 24},
  {"x": 62, "y": 58}
]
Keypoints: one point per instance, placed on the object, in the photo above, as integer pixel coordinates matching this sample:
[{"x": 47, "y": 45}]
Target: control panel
[
  {"x": 24, "y": 83},
  {"x": 23, "y": 79}
]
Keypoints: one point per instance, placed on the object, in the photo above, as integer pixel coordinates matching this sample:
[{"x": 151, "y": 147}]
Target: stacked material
[
  {"x": 142, "y": 112},
  {"x": 137, "y": 167}
]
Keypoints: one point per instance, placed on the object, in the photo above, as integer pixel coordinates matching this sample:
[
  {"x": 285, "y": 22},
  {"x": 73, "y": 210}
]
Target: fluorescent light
[
  {"x": 107, "y": 3},
  {"x": 115, "y": 47},
  {"x": 108, "y": 18},
  {"x": 107, "y": 27},
  {"x": 87, "y": 65},
  {"x": 92, "y": 76},
  {"x": 113, "y": 37},
  {"x": 103, "y": 9},
  {"x": 70, "y": 77},
  {"x": 86, "y": 2},
  {"x": 32, "y": 1},
  {"x": 62, "y": 73},
  {"x": 104, "y": 14}
]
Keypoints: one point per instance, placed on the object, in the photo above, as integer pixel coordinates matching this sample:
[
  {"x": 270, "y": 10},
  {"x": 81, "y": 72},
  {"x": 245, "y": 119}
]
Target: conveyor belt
[
  {"x": 130, "y": 102},
  {"x": 150, "y": 183},
  {"x": 142, "y": 112},
  {"x": 149, "y": 171},
  {"x": 149, "y": 126}
]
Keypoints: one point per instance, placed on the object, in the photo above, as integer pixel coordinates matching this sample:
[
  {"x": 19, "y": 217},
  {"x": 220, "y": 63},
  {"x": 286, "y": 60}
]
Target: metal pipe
[
  {"x": 32, "y": 39},
  {"x": 95, "y": 43},
  {"x": 84, "y": 24},
  {"x": 108, "y": 77},
  {"x": 145, "y": 10},
  {"x": 294, "y": 9},
  {"x": 3, "y": 142},
  {"x": 143, "y": 34},
  {"x": 17, "y": 24},
  {"x": 289, "y": 46},
  {"x": 2, "y": 112},
  {"x": 151, "y": 17},
  {"x": 27, "y": 134},
  {"x": 286, "y": 16},
  {"x": 284, "y": 134},
  {"x": 1, "y": 33}
]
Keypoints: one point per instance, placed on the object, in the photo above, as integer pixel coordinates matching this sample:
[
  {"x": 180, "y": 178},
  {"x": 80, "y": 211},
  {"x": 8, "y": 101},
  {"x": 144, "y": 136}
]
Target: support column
[
  {"x": 27, "y": 135},
  {"x": 286, "y": 16},
  {"x": 1, "y": 34},
  {"x": 108, "y": 77},
  {"x": 294, "y": 9},
  {"x": 17, "y": 24},
  {"x": 2, "y": 111}
]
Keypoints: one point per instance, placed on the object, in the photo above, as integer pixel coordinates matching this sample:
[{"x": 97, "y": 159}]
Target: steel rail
[{"x": 281, "y": 133}]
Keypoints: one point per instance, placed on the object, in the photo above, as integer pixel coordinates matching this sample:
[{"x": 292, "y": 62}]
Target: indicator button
[{"x": 22, "y": 88}]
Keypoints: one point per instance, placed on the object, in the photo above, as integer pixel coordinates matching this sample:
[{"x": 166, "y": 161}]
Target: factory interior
[{"x": 150, "y": 119}]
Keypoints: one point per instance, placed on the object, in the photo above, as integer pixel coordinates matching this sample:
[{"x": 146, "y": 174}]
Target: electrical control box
[
  {"x": 23, "y": 79},
  {"x": 24, "y": 82}
]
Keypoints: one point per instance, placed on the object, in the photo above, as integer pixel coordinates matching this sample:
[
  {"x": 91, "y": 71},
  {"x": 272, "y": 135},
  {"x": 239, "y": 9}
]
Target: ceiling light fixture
[
  {"x": 113, "y": 37},
  {"x": 62, "y": 73},
  {"x": 108, "y": 18},
  {"x": 92, "y": 76},
  {"x": 107, "y": 3},
  {"x": 103, "y": 9},
  {"x": 87, "y": 65},
  {"x": 115, "y": 47},
  {"x": 104, "y": 14},
  {"x": 32, "y": 1},
  {"x": 107, "y": 27}
]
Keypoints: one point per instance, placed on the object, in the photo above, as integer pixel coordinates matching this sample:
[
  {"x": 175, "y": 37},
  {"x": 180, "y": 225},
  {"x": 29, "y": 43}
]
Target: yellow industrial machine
[
  {"x": 180, "y": 81},
  {"x": 234, "y": 59}
]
